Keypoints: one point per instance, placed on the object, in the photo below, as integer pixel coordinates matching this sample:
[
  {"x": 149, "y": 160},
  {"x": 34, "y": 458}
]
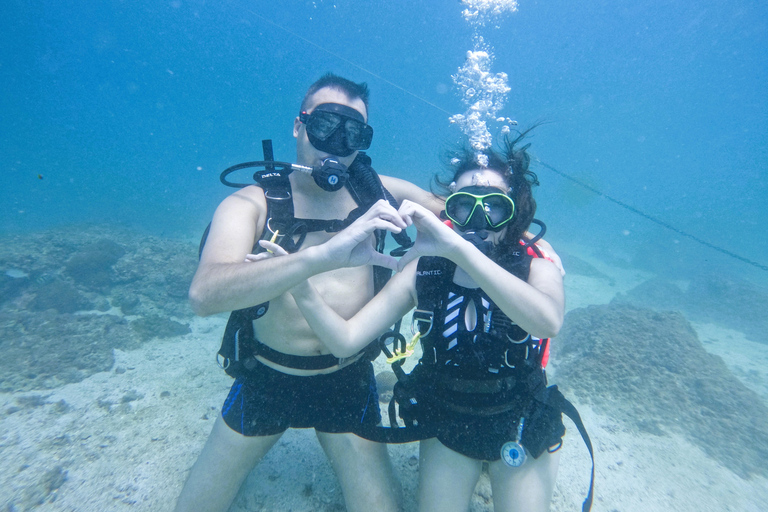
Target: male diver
[{"x": 278, "y": 391}]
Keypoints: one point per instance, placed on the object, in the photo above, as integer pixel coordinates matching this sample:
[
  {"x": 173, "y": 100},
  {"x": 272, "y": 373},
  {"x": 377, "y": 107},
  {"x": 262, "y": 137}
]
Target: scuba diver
[
  {"x": 487, "y": 301},
  {"x": 285, "y": 376}
]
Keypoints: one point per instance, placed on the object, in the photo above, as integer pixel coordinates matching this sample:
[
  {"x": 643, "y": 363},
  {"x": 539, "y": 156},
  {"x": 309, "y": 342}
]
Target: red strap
[
  {"x": 534, "y": 254},
  {"x": 545, "y": 355}
]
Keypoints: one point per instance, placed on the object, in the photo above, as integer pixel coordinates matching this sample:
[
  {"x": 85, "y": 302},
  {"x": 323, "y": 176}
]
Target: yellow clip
[
  {"x": 408, "y": 350},
  {"x": 272, "y": 240}
]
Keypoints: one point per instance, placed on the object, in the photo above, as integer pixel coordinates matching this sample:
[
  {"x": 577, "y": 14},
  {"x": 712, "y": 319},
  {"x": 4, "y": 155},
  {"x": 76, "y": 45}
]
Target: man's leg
[
  {"x": 221, "y": 468},
  {"x": 447, "y": 478},
  {"x": 364, "y": 471}
]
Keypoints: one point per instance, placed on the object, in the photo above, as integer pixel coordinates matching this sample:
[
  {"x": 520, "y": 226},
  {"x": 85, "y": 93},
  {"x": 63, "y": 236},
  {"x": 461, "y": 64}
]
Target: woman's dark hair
[{"x": 513, "y": 164}]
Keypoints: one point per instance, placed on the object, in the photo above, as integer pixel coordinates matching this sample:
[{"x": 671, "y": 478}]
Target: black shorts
[
  {"x": 481, "y": 437},
  {"x": 267, "y": 402}
]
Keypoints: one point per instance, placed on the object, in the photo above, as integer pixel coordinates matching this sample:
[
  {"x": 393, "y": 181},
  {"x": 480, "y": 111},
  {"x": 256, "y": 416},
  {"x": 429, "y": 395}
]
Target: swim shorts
[{"x": 265, "y": 401}]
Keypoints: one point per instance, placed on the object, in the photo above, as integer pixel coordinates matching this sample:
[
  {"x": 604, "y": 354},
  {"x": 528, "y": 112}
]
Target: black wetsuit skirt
[{"x": 481, "y": 435}]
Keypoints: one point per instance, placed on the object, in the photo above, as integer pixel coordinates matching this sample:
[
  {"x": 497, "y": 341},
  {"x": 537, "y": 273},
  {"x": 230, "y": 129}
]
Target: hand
[
  {"x": 352, "y": 246},
  {"x": 433, "y": 237}
]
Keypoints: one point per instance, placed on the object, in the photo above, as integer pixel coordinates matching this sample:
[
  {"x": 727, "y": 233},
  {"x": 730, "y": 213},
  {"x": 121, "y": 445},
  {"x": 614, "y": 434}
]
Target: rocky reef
[
  {"x": 732, "y": 303},
  {"x": 649, "y": 370},
  {"x": 68, "y": 297}
]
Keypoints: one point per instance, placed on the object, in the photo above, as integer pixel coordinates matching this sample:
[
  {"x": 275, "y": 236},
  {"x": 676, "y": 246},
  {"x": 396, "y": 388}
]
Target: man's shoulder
[
  {"x": 249, "y": 199},
  {"x": 401, "y": 187},
  {"x": 251, "y": 192}
]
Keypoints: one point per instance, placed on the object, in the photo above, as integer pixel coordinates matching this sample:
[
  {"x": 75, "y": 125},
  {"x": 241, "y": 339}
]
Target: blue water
[
  {"x": 123, "y": 113},
  {"x": 128, "y": 111}
]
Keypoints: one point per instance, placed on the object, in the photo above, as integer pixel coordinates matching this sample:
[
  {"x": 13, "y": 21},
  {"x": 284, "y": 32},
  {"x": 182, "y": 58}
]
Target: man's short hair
[{"x": 348, "y": 87}]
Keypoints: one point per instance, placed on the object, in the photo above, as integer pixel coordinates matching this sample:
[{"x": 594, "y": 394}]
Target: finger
[
  {"x": 273, "y": 248},
  {"x": 406, "y": 209},
  {"x": 411, "y": 208},
  {"x": 386, "y": 211},
  {"x": 250, "y": 258},
  {"x": 393, "y": 216},
  {"x": 397, "y": 219},
  {"x": 417, "y": 214},
  {"x": 379, "y": 223},
  {"x": 554, "y": 258},
  {"x": 378, "y": 208},
  {"x": 408, "y": 220}
]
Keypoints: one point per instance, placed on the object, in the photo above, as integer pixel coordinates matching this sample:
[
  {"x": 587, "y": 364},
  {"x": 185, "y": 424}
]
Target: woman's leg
[
  {"x": 447, "y": 479},
  {"x": 527, "y": 488}
]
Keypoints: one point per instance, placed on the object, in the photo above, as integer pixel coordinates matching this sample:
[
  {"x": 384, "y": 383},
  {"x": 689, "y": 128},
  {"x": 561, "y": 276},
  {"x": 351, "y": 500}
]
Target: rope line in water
[
  {"x": 561, "y": 173},
  {"x": 654, "y": 219},
  {"x": 361, "y": 68}
]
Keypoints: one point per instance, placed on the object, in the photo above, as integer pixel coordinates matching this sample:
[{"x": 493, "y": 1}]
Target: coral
[
  {"x": 11, "y": 287},
  {"x": 61, "y": 296},
  {"x": 575, "y": 265},
  {"x": 657, "y": 293},
  {"x": 155, "y": 326},
  {"x": 92, "y": 265},
  {"x": 650, "y": 370},
  {"x": 129, "y": 304},
  {"x": 56, "y": 273},
  {"x": 732, "y": 303},
  {"x": 42, "y": 350}
]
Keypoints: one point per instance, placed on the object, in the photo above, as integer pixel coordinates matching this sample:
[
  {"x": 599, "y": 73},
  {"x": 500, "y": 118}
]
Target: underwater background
[
  {"x": 126, "y": 112},
  {"x": 116, "y": 118}
]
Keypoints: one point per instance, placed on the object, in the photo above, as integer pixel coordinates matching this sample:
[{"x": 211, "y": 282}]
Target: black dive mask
[
  {"x": 331, "y": 176},
  {"x": 337, "y": 129}
]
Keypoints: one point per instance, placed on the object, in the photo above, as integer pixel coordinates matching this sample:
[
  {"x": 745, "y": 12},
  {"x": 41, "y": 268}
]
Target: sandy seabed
[{"x": 125, "y": 439}]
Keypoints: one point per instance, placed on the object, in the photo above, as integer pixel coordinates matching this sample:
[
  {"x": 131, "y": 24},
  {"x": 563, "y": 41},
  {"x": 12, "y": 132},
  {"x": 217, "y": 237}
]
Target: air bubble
[{"x": 483, "y": 92}]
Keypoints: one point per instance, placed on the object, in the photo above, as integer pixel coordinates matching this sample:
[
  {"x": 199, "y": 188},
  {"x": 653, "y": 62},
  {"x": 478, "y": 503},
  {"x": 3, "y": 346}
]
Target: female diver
[{"x": 486, "y": 308}]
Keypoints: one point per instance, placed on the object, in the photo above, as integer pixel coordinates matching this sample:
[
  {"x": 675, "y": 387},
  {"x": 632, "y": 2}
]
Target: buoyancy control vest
[
  {"x": 239, "y": 346},
  {"x": 475, "y": 357}
]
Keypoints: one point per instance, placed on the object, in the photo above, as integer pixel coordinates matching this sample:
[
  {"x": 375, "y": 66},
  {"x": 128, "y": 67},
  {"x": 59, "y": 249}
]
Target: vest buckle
[{"x": 422, "y": 322}]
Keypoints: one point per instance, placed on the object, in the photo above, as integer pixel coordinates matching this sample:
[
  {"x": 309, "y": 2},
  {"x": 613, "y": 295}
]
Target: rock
[
  {"x": 92, "y": 265},
  {"x": 575, "y": 265},
  {"x": 649, "y": 369},
  {"x": 48, "y": 276},
  {"x": 61, "y": 296},
  {"x": 42, "y": 350},
  {"x": 732, "y": 303},
  {"x": 11, "y": 285},
  {"x": 155, "y": 326}
]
